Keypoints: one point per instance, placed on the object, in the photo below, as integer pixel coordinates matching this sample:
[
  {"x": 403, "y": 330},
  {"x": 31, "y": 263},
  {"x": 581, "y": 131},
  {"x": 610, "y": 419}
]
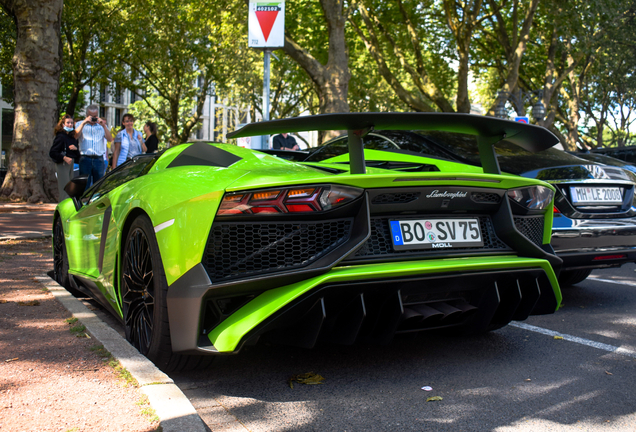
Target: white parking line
[
  {"x": 570, "y": 338},
  {"x": 612, "y": 281}
]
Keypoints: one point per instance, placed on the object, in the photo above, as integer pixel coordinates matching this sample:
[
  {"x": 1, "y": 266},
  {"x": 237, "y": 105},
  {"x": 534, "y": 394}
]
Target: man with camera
[{"x": 91, "y": 133}]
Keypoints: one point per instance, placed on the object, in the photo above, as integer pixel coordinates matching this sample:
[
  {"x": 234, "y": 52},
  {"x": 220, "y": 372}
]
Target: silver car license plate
[
  {"x": 595, "y": 195},
  {"x": 435, "y": 233}
]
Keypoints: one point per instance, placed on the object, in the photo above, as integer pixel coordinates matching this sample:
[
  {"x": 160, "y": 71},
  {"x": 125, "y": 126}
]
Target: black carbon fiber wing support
[{"x": 489, "y": 131}]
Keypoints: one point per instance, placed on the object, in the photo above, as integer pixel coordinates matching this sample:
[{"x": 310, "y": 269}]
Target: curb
[{"x": 175, "y": 411}]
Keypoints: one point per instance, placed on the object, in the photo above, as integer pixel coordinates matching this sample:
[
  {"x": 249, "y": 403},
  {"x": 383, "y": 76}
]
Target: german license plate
[
  {"x": 596, "y": 195},
  {"x": 435, "y": 233}
]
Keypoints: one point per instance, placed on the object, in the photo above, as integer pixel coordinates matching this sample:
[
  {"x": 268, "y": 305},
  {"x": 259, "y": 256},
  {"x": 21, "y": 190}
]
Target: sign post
[
  {"x": 266, "y": 30},
  {"x": 266, "y": 69}
]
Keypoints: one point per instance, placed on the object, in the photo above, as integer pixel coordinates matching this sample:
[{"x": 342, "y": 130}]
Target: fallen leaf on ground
[
  {"x": 558, "y": 337},
  {"x": 29, "y": 303},
  {"x": 3, "y": 301},
  {"x": 528, "y": 379},
  {"x": 434, "y": 398},
  {"x": 609, "y": 373},
  {"x": 308, "y": 378}
]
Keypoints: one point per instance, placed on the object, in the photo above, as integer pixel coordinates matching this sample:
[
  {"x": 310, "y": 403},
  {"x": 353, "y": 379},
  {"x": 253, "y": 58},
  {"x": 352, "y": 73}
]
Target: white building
[{"x": 217, "y": 119}]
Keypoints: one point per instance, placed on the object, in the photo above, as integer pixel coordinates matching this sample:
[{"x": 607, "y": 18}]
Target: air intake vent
[
  {"x": 483, "y": 197},
  {"x": 396, "y": 198},
  {"x": 240, "y": 249},
  {"x": 531, "y": 227}
]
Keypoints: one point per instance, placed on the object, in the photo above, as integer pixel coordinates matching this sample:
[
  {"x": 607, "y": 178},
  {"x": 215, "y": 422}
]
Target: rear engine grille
[
  {"x": 379, "y": 243},
  {"x": 483, "y": 197},
  {"x": 396, "y": 198},
  {"x": 245, "y": 249},
  {"x": 531, "y": 227}
]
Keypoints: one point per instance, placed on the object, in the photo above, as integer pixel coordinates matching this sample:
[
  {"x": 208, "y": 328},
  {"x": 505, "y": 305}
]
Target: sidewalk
[
  {"x": 23, "y": 221},
  {"x": 62, "y": 368}
]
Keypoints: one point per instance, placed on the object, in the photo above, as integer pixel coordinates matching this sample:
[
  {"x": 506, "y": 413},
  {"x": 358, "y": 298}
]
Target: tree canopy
[{"x": 577, "y": 58}]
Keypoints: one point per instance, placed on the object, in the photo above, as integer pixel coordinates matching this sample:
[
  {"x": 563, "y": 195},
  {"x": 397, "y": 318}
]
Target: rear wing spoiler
[{"x": 489, "y": 131}]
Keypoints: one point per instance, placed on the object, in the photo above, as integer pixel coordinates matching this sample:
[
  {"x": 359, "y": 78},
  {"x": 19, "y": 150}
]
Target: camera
[{"x": 93, "y": 119}]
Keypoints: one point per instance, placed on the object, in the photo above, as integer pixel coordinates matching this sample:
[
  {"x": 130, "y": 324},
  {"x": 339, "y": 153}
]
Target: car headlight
[{"x": 533, "y": 197}]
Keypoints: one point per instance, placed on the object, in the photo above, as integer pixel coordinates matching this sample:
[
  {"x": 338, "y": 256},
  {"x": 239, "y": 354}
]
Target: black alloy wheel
[
  {"x": 144, "y": 290},
  {"x": 138, "y": 290}
]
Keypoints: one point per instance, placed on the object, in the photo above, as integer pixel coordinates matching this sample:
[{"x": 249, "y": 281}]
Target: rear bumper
[
  {"x": 362, "y": 302},
  {"x": 595, "y": 243}
]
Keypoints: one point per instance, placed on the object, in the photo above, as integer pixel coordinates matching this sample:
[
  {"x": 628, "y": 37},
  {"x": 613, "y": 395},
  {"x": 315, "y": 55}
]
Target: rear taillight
[
  {"x": 532, "y": 197},
  {"x": 304, "y": 199}
]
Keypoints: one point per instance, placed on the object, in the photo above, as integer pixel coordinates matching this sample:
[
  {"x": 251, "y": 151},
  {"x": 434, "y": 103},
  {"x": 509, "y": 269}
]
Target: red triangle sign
[{"x": 266, "y": 19}]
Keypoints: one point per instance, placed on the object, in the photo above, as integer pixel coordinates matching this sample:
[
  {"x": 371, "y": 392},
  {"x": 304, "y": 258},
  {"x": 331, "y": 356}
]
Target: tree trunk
[
  {"x": 462, "y": 25},
  {"x": 72, "y": 102},
  {"x": 463, "y": 101},
  {"x": 574, "y": 104},
  {"x": 332, "y": 79},
  {"x": 175, "y": 138},
  {"x": 600, "y": 127},
  {"x": 36, "y": 71},
  {"x": 514, "y": 45},
  {"x": 173, "y": 121}
]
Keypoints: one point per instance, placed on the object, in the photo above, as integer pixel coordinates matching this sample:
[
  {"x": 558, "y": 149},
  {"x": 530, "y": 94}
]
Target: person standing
[
  {"x": 128, "y": 142},
  {"x": 91, "y": 133},
  {"x": 150, "y": 129},
  {"x": 64, "y": 153},
  {"x": 285, "y": 141}
]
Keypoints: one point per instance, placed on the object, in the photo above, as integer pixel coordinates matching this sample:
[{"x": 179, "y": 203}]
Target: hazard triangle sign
[{"x": 266, "y": 24}]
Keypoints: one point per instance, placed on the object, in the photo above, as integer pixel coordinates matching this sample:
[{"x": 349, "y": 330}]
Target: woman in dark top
[
  {"x": 150, "y": 129},
  {"x": 64, "y": 152}
]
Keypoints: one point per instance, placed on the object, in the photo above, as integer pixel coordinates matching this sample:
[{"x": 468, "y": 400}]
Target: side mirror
[{"x": 75, "y": 189}]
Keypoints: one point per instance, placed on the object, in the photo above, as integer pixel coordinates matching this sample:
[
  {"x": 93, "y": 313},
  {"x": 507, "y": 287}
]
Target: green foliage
[
  {"x": 7, "y": 48},
  {"x": 143, "y": 113},
  {"x": 415, "y": 52},
  {"x": 123, "y": 373},
  {"x": 89, "y": 45},
  {"x": 368, "y": 91},
  {"x": 101, "y": 352},
  {"x": 174, "y": 52},
  {"x": 291, "y": 92},
  {"x": 304, "y": 20}
]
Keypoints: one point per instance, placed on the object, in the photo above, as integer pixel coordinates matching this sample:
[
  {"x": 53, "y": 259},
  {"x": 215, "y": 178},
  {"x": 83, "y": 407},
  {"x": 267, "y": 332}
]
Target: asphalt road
[{"x": 514, "y": 379}]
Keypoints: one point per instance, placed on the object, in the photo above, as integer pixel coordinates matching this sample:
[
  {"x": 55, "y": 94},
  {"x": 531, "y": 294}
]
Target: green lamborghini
[{"x": 203, "y": 249}]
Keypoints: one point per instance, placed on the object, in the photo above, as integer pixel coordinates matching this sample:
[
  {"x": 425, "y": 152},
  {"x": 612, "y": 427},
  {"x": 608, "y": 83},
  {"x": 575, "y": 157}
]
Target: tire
[
  {"x": 572, "y": 277},
  {"x": 60, "y": 260},
  {"x": 144, "y": 291}
]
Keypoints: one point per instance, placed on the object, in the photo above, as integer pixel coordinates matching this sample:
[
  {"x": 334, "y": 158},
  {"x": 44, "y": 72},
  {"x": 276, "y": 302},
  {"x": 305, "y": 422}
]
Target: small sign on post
[
  {"x": 266, "y": 24},
  {"x": 523, "y": 119},
  {"x": 266, "y": 30}
]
